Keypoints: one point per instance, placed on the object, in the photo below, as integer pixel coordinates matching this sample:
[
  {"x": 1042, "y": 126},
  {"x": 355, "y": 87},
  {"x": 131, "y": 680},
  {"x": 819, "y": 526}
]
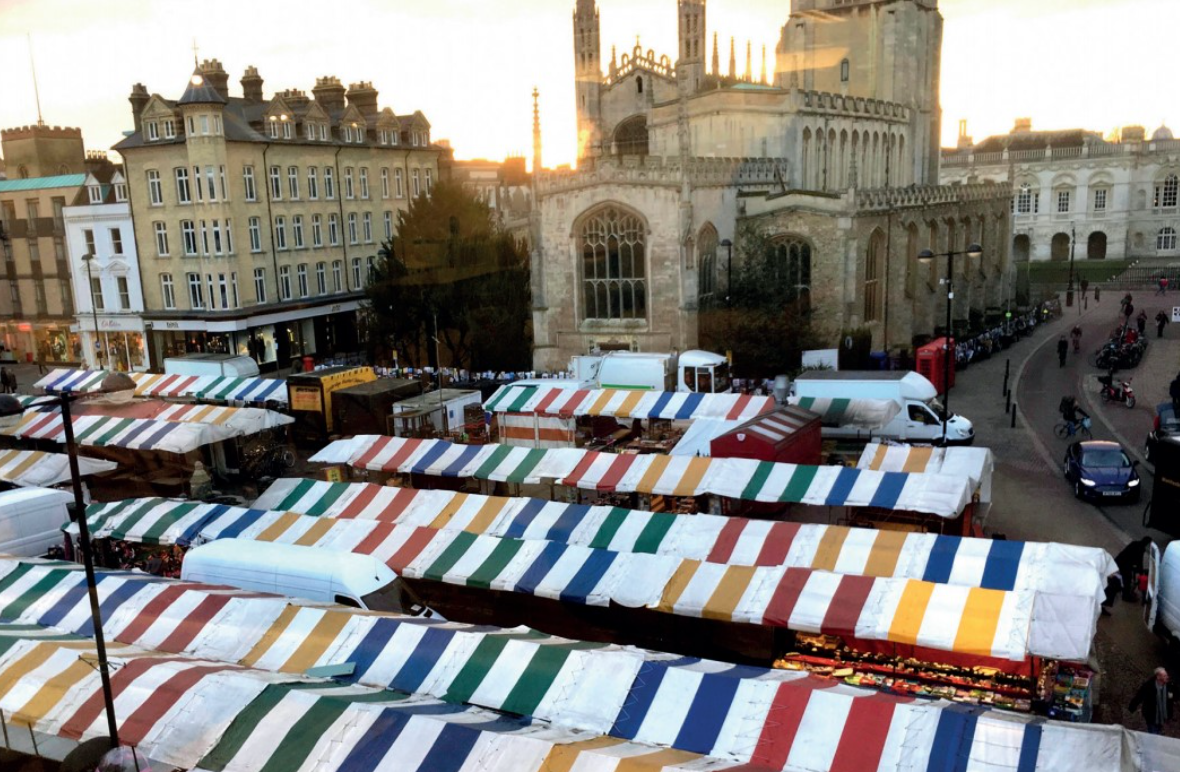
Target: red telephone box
[{"x": 932, "y": 358}]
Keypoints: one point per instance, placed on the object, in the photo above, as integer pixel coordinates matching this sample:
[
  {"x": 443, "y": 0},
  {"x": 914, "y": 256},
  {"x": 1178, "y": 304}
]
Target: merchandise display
[
  {"x": 829, "y": 656},
  {"x": 1065, "y": 691}
]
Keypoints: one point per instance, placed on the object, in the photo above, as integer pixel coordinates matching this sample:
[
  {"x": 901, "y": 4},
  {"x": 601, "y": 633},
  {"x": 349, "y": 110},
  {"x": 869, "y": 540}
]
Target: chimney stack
[
  {"x": 329, "y": 93},
  {"x": 138, "y": 99},
  {"x": 216, "y": 76},
  {"x": 252, "y": 85},
  {"x": 364, "y": 97}
]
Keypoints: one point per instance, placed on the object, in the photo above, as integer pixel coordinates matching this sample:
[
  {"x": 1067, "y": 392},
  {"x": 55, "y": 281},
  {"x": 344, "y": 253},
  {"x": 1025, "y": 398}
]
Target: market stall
[
  {"x": 930, "y": 502},
  {"x": 975, "y": 464},
  {"x": 646, "y": 711},
  {"x": 205, "y": 388},
  {"x": 38, "y": 469},
  {"x": 628, "y": 420}
]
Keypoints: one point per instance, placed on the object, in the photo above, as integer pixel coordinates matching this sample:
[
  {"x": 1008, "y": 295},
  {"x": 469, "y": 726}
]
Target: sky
[{"x": 471, "y": 65}]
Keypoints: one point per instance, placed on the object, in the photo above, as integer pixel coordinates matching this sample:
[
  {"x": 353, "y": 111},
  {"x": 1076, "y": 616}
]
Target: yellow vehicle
[{"x": 309, "y": 396}]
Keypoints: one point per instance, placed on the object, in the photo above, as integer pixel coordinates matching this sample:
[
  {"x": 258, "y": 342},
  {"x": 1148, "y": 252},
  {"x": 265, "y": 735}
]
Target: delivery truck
[
  {"x": 920, "y": 417},
  {"x": 690, "y": 371},
  {"x": 310, "y": 398},
  {"x": 1162, "y": 609}
]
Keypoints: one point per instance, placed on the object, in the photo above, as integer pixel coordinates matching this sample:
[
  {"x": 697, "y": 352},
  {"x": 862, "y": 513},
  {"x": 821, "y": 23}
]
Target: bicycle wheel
[
  {"x": 1084, "y": 431},
  {"x": 1061, "y": 430}
]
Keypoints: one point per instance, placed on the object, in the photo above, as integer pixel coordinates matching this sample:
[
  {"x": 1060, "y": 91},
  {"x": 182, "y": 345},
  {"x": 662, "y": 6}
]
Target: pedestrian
[
  {"x": 1114, "y": 585},
  {"x": 1085, "y": 286},
  {"x": 1128, "y": 309},
  {"x": 1062, "y": 350},
  {"x": 1155, "y": 698},
  {"x": 1161, "y": 321},
  {"x": 12, "y": 384},
  {"x": 1130, "y": 563},
  {"x": 1097, "y": 293},
  {"x": 1141, "y": 322},
  {"x": 1163, "y": 286},
  {"x": 4, "y": 387}
]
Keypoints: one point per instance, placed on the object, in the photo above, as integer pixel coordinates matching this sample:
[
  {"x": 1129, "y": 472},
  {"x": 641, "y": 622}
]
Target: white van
[
  {"x": 31, "y": 520},
  {"x": 311, "y": 573},
  {"x": 918, "y": 421},
  {"x": 1162, "y": 609},
  {"x": 212, "y": 364}
]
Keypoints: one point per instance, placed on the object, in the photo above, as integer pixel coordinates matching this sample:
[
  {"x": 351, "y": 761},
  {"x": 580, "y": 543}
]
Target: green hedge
[{"x": 1058, "y": 273}]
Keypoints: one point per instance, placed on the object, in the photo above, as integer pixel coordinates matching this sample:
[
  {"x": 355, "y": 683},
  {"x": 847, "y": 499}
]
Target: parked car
[
  {"x": 1166, "y": 428},
  {"x": 1101, "y": 471}
]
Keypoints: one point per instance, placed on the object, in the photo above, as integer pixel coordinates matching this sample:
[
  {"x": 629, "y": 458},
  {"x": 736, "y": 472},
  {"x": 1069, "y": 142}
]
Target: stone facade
[
  {"x": 1072, "y": 189},
  {"x": 674, "y": 161},
  {"x": 42, "y": 151},
  {"x": 258, "y": 219}
]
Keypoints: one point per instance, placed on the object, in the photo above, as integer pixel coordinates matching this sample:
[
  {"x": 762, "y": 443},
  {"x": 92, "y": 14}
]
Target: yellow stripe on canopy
[
  {"x": 561, "y": 758},
  {"x": 911, "y": 610},
  {"x": 677, "y": 585},
  {"x": 917, "y": 460},
  {"x": 885, "y": 553},
  {"x": 729, "y": 593},
  {"x": 322, "y": 636},
  {"x": 981, "y": 618},
  {"x": 270, "y": 636}
]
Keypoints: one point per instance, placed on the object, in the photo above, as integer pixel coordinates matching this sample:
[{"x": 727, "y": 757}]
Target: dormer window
[
  {"x": 309, "y": 130},
  {"x": 95, "y": 193},
  {"x": 153, "y": 131},
  {"x": 323, "y": 132},
  {"x": 393, "y": 137},
  {"x": 273, "y": 128},
  {"x": 191, "y": 127},
  {"x": 287, "y": 130},
  {"x": 121, "y": 192},
  {"x": 169, "y": 129},
  {"x": 348, "y": 134},
  {"x": 414, "y": 138}
]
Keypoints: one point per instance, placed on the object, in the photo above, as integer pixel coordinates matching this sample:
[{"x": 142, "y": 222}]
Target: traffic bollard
[
  {"x": 1013, "y": 425},
  {"x": 1007, "y": 368},
  {"x": 1008, "y": 401}
]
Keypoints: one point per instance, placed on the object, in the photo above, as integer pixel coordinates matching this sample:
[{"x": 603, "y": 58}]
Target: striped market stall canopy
[
  {"x": 969, "y": 620},
  {"x": 35, "y": 468},
  {"x": 942, "y": 495},
  {"x": 208, "y": 387},
  {"x": 132, "y": 433},
  {"x": 865, "y": 413},
  {"x": 209, "y": 678},
  {"x": 999, "y": 565},
  {"x": 630, "y": 404},
  {"x": 976, "y": 464}
]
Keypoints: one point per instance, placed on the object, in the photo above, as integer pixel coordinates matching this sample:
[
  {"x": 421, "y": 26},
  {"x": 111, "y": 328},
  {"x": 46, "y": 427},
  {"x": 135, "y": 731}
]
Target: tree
[
  {"x": 450, "y": 266},
  {"x": 763, "y": 318}
]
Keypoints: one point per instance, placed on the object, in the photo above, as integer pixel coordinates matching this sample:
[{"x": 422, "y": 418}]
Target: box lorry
[
  {"x": 1161, "y": 610},
  {"x": 920, "y": 417},
  {"x": 217, "y": 365},
  {"x": 311, "y": 573},
  {"x": 309, "y": 396},
  {"x": 691, "y": 371},
  {"x": 31, "y": 520}
]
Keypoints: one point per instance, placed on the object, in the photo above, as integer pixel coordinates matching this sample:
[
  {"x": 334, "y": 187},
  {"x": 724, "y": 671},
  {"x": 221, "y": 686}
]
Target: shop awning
[
  {"x": 976, "y": 464},
  {"x": 243, "y": 421},
  {"x": 133, "y": 433},
  {"x": 865, "y": 413},
  {"x": 942, "y": 495},
  {"x": 974, "y": 621},
  {"x": 35, "y": 468},
  {"x": 626, "y": 403},
  {"x": 245, "y": 704},
  {"x": 207, "y": 387}
]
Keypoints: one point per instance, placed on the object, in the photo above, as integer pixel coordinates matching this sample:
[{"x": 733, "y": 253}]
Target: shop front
[
  {"x": 273, "y": 340},
  {"x": 119, "y": 344},
  {"x": 29, "y": 342}
]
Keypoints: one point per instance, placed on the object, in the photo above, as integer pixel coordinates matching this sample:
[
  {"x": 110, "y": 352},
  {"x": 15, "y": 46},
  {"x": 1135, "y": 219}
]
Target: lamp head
[
  {"x": 974, "y": 251},
  {"x": 925, "y": 256},
  {"x": 726, "y": 243}
]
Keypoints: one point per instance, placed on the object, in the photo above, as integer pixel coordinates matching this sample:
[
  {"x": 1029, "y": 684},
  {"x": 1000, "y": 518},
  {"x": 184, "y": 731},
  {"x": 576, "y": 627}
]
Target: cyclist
[
  {"x": 1076, "y": 335},
  {"x": 1070, "y": 412}
]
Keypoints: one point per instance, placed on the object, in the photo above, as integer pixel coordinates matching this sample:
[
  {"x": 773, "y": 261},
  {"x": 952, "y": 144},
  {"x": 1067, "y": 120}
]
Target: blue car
[{"x": 1101, "y": 471}]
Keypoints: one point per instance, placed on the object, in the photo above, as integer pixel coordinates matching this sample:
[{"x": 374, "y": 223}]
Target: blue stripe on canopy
[
  {"x": 640, "y": 698},
  {"x": 843, "y": 486},
  {"x": 689, "y": 407},
  {"x": 540, "y": 568},
  {"x": 1003, "y": 563},
  {"x": 563, "y": 529},
  {"x": 707, "y": 713},
  {"x": 524, "y": 518},
  {"x": 430, "y": 456},
  {"x": 942, "y": 559},
  {"x": 588, "y": 576},
  {"x": 889, "y": 491}
]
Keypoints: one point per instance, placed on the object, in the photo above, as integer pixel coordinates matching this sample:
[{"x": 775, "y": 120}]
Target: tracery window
[
  {"x": 614, "y": 285},
  {"x": 791, "y": 261}
]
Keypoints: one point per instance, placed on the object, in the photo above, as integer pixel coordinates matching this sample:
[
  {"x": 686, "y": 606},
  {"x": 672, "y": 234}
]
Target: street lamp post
[
  {"x": 1073, "y": 235},
  {"x": 88, "y": 259},
  {"x": 10, "y": 407},
  {"x": 925, "y": 257},
  {"x": 728, "y": 272}
]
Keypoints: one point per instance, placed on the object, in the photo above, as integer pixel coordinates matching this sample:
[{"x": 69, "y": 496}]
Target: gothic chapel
[{"x": 833, "y": 157}]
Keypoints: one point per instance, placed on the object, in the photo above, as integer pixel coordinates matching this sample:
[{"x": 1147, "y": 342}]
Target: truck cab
[{"x": 699, "y": 372}]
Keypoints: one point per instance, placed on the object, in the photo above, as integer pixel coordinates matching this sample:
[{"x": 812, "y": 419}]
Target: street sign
[{"x": 1176, "y": 313}]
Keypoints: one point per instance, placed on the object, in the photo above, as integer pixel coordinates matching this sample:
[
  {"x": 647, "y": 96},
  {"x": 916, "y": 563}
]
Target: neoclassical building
[
  {"x": 834, "y": 158},
  {"x": 1118, "y": 198}
]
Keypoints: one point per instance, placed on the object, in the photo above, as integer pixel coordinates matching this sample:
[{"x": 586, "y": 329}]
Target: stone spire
[
  {"x": 732, "y": 59},
  {"x": 763, "y": 81},
  {"x": 536, "y": 131},
  {"x": 749, "y": 61},
  {"x": 716, "y": 57}
]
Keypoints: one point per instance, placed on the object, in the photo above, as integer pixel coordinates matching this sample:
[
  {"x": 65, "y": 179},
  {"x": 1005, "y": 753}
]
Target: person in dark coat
[
  {"x": 1141, "y": 322},
  {"x": 1130, "y": 563},
  {"x": 1161, "y": 321},
  {"x": 1062, "y": 351},
  {"x": 1156, "y": 698}
]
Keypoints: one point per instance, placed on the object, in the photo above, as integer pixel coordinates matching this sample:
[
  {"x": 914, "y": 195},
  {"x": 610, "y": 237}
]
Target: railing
[
  {"x": 1028, "y": 155},
  {"x": 1067, "y": 152}
]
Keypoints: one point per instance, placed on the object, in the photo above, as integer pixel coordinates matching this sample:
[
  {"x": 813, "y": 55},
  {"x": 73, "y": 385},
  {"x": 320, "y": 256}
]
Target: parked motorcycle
[{"x": 1121, "y": 393}]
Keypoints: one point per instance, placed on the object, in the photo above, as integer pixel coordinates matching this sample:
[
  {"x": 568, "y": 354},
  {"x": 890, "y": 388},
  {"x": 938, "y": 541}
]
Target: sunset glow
[{"x": 470, "y": 65}]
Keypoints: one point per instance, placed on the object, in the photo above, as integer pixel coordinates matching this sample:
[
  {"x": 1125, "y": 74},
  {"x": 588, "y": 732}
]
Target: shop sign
[
  {"x": 25, "y": 327},
  {"x": 304, "y": 398}
]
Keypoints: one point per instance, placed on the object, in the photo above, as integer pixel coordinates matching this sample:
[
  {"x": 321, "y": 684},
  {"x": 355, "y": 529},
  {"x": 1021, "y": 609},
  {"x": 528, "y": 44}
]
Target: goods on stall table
[
  {"x": 1066, "y": 690},
  {"x": 826, "y": 655}
]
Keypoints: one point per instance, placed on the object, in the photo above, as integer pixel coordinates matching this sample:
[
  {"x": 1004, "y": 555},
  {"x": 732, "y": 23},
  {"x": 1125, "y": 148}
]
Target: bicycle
[{"x": 1067, "y": 429}]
